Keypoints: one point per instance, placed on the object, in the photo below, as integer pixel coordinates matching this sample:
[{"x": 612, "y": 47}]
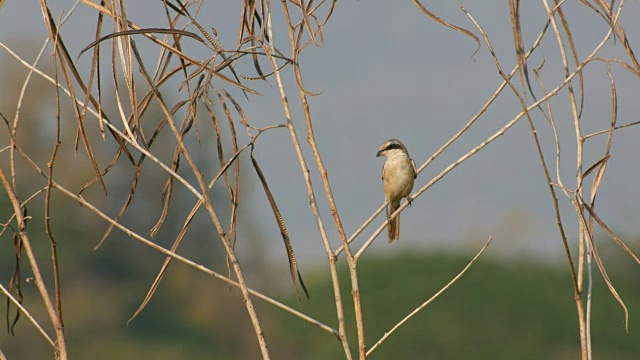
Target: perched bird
[{"x": 398, "y": 173}]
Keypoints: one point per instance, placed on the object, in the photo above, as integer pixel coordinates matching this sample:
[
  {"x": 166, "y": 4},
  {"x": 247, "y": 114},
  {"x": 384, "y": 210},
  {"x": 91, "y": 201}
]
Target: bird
[{"x": 398, "y": 174}]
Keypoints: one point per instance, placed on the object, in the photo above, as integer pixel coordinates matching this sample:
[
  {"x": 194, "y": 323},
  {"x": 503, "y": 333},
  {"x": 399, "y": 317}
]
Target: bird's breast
[{"x": 397, "y": 175}]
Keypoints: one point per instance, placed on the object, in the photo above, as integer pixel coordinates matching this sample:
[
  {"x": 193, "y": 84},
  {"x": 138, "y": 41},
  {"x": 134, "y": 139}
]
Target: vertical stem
[
  {"x": 61, "y": 348},
  {"x": 583, "y": 322},
  {"x": 270, "y": 50},
  {"x": 351, "y": 261}
]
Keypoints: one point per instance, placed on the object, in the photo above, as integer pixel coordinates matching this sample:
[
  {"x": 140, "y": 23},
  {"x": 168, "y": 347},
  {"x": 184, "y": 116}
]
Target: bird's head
[{"x": 391, "y": 146}]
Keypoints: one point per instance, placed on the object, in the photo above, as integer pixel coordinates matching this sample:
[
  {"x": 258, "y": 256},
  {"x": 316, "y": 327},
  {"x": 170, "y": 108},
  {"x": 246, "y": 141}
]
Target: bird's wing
[{"x": 415, "y": 170}]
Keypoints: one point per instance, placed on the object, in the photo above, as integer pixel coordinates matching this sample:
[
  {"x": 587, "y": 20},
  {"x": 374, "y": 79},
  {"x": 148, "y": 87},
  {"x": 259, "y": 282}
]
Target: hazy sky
[{"x": 387, "y": 71}]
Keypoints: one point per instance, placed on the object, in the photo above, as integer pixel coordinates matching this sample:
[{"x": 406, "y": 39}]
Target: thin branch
[
  {"x": 17, "y": 303},
  {"x": 431, "y": 299}
]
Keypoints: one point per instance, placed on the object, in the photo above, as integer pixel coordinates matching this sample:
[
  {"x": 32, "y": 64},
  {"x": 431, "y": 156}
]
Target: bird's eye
[{"x": 392, "y": 146}]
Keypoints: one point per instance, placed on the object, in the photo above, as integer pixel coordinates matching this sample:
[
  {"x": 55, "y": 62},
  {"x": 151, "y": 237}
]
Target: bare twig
[
  {"x": 431, "y": 299},
  {"x": 35, "y": 323}
]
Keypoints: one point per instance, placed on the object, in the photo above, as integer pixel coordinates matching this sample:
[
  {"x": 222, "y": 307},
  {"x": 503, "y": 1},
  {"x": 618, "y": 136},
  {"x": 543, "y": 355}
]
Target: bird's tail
[{"x": 394, "y": 225}]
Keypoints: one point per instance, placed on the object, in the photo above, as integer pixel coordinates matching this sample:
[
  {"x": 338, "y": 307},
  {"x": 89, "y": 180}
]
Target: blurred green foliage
[{"x": 497, "y": 310}]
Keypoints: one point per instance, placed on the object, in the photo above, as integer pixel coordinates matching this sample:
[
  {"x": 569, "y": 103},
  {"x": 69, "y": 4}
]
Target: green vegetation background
[
  {"x": 498, "y": 310},
  {"x": 521, "y": 310}
]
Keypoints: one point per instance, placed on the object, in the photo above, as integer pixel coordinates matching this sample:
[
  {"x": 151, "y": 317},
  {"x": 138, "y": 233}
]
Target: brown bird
[{"x": 398, "y": 173}]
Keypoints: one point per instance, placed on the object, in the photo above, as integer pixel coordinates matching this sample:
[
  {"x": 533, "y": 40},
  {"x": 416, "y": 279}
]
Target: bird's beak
[{"x": 379, "y": 153}]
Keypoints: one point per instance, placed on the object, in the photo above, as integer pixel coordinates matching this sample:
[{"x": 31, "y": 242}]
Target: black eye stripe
[{"x": 393, "y": 146}]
